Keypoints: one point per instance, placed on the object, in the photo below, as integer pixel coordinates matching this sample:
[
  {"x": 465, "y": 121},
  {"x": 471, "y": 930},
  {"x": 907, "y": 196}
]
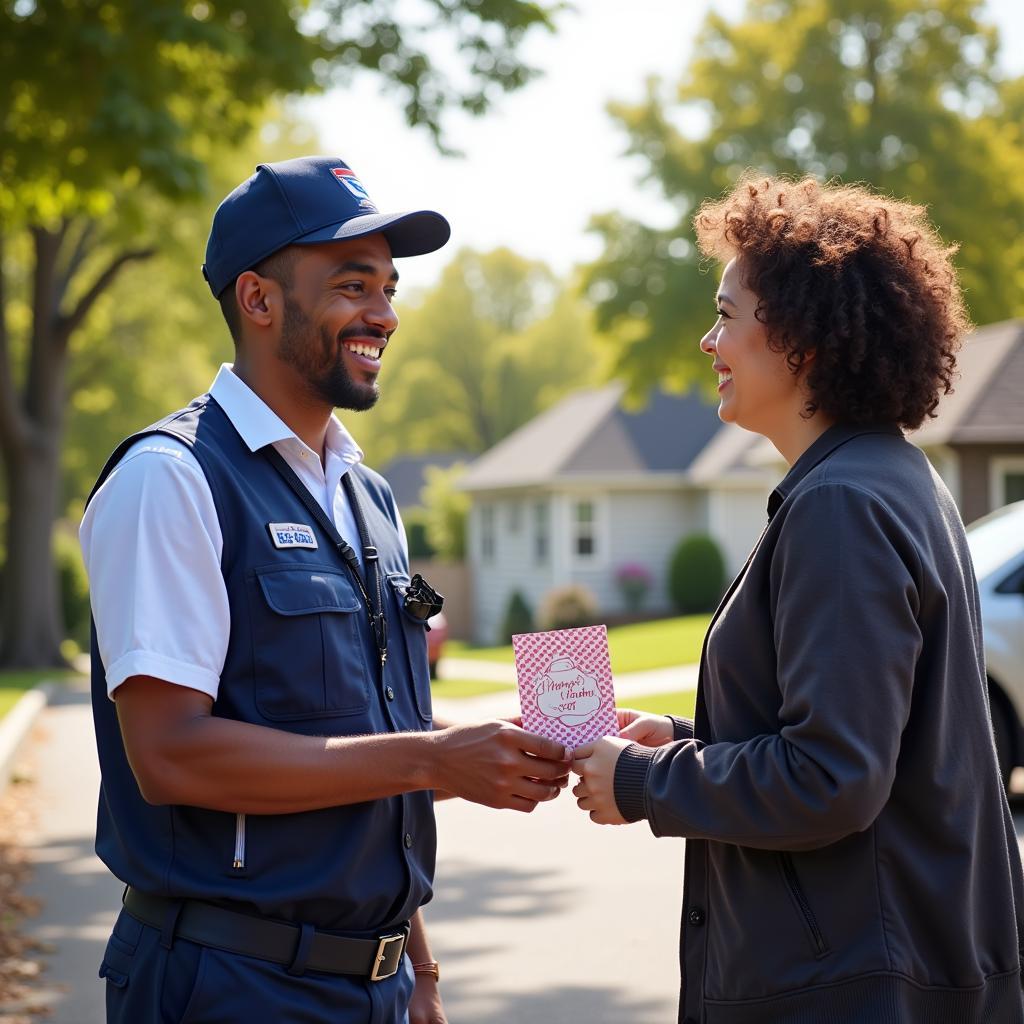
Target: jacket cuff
[
  {"x": 682, "y": 728},
  {"x": 630, "y": 785}
]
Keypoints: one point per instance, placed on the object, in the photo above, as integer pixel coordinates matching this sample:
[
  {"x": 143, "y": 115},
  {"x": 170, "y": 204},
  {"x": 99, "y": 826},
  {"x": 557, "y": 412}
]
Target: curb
[{"x": 15, "y": 727}]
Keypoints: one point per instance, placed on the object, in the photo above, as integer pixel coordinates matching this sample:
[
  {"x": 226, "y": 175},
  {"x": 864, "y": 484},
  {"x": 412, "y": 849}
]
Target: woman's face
[{"x": 756, "y": 387}]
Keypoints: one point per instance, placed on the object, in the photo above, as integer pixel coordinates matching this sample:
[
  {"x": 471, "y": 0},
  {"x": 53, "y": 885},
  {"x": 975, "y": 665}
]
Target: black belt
[{"x": 299, "y": 947}]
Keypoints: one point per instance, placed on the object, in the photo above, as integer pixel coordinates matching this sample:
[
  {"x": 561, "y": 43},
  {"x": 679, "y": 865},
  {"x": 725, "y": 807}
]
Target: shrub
[
  {"x": 518, "y": 618},
  {"x": 569, "y": 606},
  {"x": 416, "y": 531},
  {"x": 696, "y": 577},
  {"x": 634, "y": 581}
]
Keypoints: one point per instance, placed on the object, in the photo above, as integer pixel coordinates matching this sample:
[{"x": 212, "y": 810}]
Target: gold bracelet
[{"x": 431, "y": 967}]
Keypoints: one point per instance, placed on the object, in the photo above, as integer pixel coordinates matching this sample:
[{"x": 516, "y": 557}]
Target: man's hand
[
  {"x": 425, "y": 1005},
  {"x": 595, "y": 792},
  {"x": 499, "y": 765},
  {"x": 645, "y": 729}
]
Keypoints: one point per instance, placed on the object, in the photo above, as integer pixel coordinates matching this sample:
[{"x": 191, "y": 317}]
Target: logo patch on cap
[
  {"x": 292, "y": 535},
  {"x": 347, "y": 179}
]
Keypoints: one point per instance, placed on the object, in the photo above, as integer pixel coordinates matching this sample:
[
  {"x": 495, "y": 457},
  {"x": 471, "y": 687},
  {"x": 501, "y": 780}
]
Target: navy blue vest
[{"x": 301, "y": 658}]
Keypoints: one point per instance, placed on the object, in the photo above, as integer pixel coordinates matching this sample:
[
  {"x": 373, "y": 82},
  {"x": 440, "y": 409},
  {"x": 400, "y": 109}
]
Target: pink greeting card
[{"x": 565, "y": 684}]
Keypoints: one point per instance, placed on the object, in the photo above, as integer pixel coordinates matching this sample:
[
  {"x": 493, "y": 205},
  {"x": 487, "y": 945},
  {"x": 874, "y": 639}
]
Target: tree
[
  {"x": 107, "y": 109},
  {"x": 902, "y": 94},
  {"x": 447, "y": 511},
  {"x": 497, "y": 340}
]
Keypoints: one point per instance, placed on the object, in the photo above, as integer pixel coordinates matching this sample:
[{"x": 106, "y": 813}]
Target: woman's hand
[
  {"x": 643, "y": 728},
  {"x": 595, "y": 792}
]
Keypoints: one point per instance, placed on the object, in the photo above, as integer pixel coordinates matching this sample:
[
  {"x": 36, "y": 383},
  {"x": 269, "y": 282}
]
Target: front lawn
[
  {"x": 14, "y": 684},
  {"x": 458, "y": 688},
  {"x": 635, "y": 648},
  {"x": 679, "y": 703}
]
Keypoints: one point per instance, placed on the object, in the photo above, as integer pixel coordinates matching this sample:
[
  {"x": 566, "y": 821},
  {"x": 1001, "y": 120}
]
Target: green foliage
[
  {"x": 696, "y": 575},
  {"x": 74, "y": 586},
  {"x": 901, "y": 94},
  {"x": 447, "y": 511},
  {"x": 415, "y": 520},
  {"x": 96, "y": 98},
  {"x": 498, "y": 340},
  {"x": 567, "y": 607},
  {"x": 518, "y": 618}
]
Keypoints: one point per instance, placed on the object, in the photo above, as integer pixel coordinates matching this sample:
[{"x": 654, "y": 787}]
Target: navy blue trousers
[{"x": 190, "y": 984}]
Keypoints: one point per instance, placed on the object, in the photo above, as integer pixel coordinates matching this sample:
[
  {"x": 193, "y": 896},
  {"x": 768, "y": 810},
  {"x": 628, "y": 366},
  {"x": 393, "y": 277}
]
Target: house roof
[
  {"x": 591, "y": 435},
  {"x": 407, "y": 474},
  {"x": 985, "y": 407},
  {"x": 987, "y": 404}
]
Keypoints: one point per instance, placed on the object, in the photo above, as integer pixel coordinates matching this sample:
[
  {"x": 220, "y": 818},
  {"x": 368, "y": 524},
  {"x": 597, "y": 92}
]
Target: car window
[{"x": 996, "y": 538}]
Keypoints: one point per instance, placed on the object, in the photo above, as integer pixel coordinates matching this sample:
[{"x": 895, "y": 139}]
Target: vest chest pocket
[{"x": 308, "y": 653}]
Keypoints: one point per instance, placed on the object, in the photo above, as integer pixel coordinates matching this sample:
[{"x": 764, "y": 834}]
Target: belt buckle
[{"x": 381, "y": 955}]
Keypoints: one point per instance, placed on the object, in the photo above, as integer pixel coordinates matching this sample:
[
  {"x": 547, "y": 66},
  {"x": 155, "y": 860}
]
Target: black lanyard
[{"x": 373, "y": 596}]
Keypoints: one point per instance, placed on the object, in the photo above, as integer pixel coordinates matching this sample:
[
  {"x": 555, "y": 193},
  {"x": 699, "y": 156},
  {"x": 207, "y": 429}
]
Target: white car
[{"x": 997, "y": 549}]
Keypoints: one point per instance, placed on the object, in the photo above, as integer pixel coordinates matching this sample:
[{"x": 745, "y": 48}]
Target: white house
[{"x": 590, "y": 485}]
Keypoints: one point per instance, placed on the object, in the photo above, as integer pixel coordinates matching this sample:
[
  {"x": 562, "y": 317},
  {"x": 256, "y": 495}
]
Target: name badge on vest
[{"x": 292, "y": 535}]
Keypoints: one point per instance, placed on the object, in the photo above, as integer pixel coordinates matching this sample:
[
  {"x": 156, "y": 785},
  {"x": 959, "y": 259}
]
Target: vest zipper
[
  {"x": 789, "y": 872},
  {"x": 239, "y": 861}
]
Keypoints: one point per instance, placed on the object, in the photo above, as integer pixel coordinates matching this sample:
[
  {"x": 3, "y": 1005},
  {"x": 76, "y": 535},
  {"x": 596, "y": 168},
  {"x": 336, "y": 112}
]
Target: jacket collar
[{"x": 835, "y": 437}]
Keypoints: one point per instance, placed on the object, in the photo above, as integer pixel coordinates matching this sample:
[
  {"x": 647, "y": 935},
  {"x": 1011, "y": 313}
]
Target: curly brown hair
[{"x": 862, "y": 281}]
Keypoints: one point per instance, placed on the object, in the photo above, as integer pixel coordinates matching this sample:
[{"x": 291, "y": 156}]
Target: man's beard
[{"x": 323, "y": 368}]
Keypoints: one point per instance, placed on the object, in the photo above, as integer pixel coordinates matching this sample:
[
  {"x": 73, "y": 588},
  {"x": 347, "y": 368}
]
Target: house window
[
  {"x": 541, "y": 532},
  {"x": 584, "y": 530},
  {"x": 515, "y": 515},
  {"x": 487, "y": 544},
  {"x": 1007, "y": 480},
  {"x": 1013, "y": 487}
]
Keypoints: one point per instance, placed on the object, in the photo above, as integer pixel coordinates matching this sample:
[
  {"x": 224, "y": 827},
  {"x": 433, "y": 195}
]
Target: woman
[{"x": 850, "y": 853}]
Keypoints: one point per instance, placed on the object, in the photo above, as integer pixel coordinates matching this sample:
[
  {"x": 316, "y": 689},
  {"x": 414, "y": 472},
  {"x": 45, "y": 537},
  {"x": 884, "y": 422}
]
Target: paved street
[{"x": 540, "y": 917}]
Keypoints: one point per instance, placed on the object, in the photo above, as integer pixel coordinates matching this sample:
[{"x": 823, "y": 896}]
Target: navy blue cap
[{"x": 301, "y": 202}]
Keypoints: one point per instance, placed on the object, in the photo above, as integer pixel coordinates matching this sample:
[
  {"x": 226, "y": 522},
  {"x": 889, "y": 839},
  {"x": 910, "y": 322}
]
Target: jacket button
[
  {"x": 389, "y": 693},
  {"x": 408, "y": 840},
  {"x": 696, "y": 917}
]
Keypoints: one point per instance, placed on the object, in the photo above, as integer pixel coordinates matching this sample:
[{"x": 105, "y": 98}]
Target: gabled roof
[
  {"x": 591, "y": 435},
  {"x": 987, "y": 404},
  {"x": 407, "y": 474},
  {"x": 985, "y": 407}
]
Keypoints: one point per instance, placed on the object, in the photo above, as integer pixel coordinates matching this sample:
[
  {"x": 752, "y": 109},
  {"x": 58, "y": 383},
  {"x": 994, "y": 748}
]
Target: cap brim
[{"x": 408, "y": 234}]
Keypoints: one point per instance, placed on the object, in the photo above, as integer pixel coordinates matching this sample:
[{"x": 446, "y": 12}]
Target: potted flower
[{"x": 634, "y": 581}]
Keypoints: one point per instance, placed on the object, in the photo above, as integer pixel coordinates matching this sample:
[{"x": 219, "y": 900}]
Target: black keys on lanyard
[{"x": 373, "y": 597}]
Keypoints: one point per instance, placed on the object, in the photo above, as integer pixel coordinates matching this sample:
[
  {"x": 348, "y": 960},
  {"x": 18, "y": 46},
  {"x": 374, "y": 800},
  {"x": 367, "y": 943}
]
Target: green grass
[
  {"x": 634, "y": 648},
  {"x": 457, "y": 688},
  {"x": 678, "y": 703},
  {"x": 14, "y": 684}
]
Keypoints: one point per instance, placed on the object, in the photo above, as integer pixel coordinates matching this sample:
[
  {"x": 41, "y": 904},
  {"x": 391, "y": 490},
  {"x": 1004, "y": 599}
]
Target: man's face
[{"x": 338, "y": 318}]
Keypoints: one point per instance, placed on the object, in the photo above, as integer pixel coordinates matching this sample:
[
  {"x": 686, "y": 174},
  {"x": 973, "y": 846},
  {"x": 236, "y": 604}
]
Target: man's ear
[{"x": 258, "y": 298}]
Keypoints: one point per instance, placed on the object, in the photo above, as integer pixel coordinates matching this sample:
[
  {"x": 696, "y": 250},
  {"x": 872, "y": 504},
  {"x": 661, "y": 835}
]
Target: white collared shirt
[{"x": 152, "y": 543}]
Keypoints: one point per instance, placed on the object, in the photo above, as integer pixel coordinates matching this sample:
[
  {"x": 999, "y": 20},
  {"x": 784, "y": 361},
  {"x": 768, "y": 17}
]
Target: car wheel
[{"x": 1002, "y": 731}]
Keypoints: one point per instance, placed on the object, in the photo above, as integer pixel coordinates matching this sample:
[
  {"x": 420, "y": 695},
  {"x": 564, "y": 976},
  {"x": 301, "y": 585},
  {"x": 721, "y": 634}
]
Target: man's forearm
[{"x": 234, "y": 766}]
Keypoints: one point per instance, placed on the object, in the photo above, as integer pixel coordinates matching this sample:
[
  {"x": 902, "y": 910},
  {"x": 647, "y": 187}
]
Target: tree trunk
[
  {"x": 31, "y": 627},
  {"x": 31, "y": 436}
]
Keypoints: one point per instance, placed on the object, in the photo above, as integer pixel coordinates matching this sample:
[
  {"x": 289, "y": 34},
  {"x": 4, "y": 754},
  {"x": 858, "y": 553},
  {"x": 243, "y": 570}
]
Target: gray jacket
[{"x": 850, "y": 854}]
